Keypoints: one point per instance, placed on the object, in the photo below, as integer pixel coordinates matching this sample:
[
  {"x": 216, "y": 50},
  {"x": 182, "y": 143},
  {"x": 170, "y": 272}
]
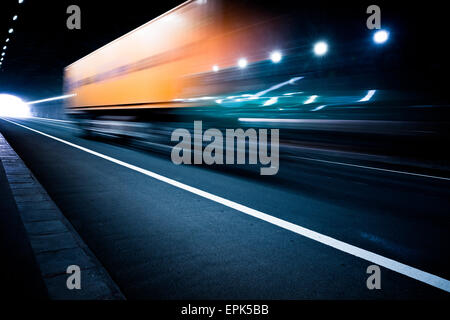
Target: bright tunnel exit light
[
  {"x": 381, "y": 36},
  {"x": 276, "y": 56},
  {"x": 14, "y": 107}
]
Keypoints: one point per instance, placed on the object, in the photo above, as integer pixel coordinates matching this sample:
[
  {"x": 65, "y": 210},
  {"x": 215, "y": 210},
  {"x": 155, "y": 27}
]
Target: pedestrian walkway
[
  {"x": 40, "y": 243},
  {"x": 20, "y": 275}
]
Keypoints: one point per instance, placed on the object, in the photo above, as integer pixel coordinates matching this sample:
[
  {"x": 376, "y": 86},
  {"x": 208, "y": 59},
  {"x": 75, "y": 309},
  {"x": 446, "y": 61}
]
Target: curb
[{"x": 55, "y": 243}]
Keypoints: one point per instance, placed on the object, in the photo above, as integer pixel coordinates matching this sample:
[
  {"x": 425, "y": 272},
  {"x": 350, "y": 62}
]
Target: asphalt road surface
[{"x": 163, "y": 240}]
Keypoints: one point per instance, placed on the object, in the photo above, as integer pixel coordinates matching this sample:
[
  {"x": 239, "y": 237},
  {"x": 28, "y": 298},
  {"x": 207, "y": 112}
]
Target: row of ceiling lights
[
  {"x": 320, "y": 48},
  {"x": 276, "y": 56},
  {"x": 5, "y": 46}
]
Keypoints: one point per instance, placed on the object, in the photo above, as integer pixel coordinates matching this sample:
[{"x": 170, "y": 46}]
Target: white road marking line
[
  {"x": 377, "y": 259},
  {"x": 51, "y": 123},
  {"x": 374, "y": 168},
  {"x": 49, "y": 119}
]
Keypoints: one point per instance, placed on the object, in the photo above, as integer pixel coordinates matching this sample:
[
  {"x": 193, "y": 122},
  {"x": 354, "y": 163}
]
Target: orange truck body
[{"x": 163, "y": 63}]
